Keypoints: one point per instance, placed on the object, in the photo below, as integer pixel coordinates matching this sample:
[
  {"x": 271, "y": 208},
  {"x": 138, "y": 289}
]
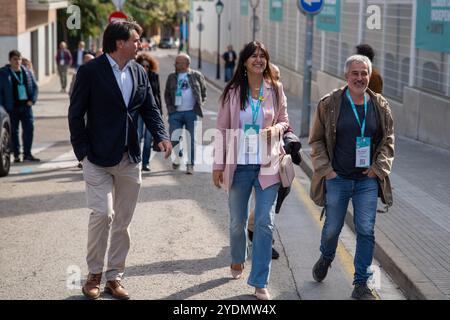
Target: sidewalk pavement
[{"x": 412, "y": 240}]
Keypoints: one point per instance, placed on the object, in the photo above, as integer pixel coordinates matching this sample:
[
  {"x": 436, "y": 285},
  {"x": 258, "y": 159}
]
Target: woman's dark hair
[
  {"x": 118, "y": 30},
  {"x": 365, "y": 50},
  {"x": 146, "y": 57},
  {"x": 240, "y": 80}
]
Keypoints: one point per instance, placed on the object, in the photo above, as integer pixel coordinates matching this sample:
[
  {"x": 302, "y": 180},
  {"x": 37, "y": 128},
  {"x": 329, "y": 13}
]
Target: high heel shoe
[
  {"x": 262, "y": 294},
  {"x": 237, "y": 273}
]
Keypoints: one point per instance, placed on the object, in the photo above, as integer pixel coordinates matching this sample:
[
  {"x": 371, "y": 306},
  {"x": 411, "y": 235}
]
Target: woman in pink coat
[{"x": 251, "y": 119}]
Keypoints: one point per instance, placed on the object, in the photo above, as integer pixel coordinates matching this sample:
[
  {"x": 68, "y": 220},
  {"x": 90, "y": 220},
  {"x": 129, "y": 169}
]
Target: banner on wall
[
  {"x": 433, "y": 25},
  {"x": 244, "y": 7},
  {"x": 329, "y": 19},
  {"x": 276, "y": 10}
]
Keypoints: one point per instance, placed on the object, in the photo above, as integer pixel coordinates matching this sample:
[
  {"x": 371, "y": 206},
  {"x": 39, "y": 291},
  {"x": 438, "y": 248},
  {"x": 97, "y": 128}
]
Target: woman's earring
[{"x": 245, "y": 73}]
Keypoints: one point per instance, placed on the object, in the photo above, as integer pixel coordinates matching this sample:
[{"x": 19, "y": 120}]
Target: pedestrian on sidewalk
[
  {"x": 376, "y": 81},
  {"x": 78, "y": 55},
  {"x": 251, "y": 218},
  {"x": 151, "y": 67},
  {"x": 113, "y": 90},
  {"x": 185, "y": 96},
  {"x": 352, "y": 141},
  {"x": 230, "y": 61},
  {"x": 18, "y": 94},
  {"x": 63, "y": 61},
  {"x": 251, "y": 117}
]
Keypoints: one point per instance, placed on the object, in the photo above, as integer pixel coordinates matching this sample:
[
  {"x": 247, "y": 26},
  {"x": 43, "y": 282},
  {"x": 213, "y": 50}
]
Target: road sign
[
  {"x": 200, "y": 27},
  {"x": 117, "y": 16},
  {"x": 310, "y": 6}
]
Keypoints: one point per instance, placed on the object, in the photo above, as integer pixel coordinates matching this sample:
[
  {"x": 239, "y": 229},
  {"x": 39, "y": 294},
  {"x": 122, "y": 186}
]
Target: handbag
[
  {"x": 286, "y": 167},
  {"x": 286, "y": 171}
]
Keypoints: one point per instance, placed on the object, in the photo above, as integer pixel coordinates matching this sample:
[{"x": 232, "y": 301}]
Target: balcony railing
[{"x": 46, "y": 4}]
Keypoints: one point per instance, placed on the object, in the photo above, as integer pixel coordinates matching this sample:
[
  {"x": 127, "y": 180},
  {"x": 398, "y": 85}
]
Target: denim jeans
[
  {"x": 144, "y": 133},
  {"x": 178, "y": 120},
  {"x": 228, "y": 73},
  {"x": 364, "y": 199},
  {"x": 22, "y": 114},
  {"x": 244, "y": 180}
]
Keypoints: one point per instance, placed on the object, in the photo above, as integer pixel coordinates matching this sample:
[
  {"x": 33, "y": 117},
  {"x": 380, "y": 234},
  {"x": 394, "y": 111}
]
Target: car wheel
[{"x": 5, "y": 154}]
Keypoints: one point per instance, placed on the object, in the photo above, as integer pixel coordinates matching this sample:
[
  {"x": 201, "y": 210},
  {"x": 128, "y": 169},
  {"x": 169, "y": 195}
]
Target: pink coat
[{"x": 228, "y": 118}]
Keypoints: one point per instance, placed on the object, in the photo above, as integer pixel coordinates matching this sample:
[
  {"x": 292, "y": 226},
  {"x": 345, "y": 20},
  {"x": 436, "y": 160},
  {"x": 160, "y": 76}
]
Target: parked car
[
  {"x": 167, "y": 43},
  {"x": 5, "y": 142}
]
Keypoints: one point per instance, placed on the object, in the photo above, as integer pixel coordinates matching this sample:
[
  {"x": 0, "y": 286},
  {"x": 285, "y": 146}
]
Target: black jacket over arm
[{"x": 109, "y": 121}]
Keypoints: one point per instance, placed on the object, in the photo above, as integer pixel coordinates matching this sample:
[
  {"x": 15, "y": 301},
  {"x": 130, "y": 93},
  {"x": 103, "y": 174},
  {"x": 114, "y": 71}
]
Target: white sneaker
[{"x": 189, "y": 169}]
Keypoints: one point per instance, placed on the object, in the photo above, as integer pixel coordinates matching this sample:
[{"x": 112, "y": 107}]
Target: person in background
[
  {"x": 230, "y": 61},
  {"x": 63, "y": 61},
  {"x": 185, "y": 96},
  {"x": 376, "y": 81},
  {"x": 18, "y": 94},
  {"x": 151, "y": 67},
  {"x": 78, "y": 55}
]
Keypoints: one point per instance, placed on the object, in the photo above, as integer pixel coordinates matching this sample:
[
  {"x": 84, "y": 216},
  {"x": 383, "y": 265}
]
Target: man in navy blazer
[{"x": 112, "y": 90}]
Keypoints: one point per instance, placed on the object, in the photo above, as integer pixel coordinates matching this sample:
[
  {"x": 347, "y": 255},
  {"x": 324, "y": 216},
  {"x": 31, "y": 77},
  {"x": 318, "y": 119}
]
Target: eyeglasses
[{"x": 146, "y": 65}]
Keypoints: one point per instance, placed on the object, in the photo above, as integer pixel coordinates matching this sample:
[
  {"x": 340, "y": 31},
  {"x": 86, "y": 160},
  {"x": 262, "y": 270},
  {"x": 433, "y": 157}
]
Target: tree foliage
[{"x": 155, "y": 12}]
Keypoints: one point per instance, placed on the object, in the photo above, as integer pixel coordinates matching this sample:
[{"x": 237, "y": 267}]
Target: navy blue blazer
[
  {"x": 6, "y": 87},
  {"x": 109, "y": 121}
]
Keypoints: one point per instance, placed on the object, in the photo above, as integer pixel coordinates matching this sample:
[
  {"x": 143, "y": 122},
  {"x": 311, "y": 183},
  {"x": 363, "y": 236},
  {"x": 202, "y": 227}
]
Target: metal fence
[{"x": 393, "y": 42}]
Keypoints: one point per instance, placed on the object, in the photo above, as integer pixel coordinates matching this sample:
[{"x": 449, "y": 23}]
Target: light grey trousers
[{"x": 111, "y": 194}]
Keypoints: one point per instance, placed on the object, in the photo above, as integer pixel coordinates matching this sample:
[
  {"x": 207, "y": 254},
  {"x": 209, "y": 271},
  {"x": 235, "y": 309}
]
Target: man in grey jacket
[{"x": 185, "y": 95}]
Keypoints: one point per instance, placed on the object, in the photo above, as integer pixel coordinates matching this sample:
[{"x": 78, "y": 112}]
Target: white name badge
[
  {"x": 178, "y": 99},
  {"x": 22, "y": 92},
  {"x": 362, "y": 152},
  {"x": 251, "y": 139}
]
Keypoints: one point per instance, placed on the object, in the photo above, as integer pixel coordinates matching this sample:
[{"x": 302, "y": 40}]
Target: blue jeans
[
  {"x": 24, "y": 115},
  {"x": 364, "y": 195},
  {"x": 228, "y": 73},
  {"x": 178, "y": 120},
  {"x": 245, "y": 178},
  {"x": 144, "y": 133}
]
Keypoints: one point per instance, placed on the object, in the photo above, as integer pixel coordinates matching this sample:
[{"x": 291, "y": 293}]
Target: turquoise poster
[
  {"x": 433, "y": 25},
  {"x": 276, "y": 10},
  {"x": 329, "y": 19}
]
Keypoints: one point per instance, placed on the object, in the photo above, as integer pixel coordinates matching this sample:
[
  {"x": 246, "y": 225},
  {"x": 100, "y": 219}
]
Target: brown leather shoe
[
  {"x": 91, "y": 288},
  {"x": 116, "y": 289}
]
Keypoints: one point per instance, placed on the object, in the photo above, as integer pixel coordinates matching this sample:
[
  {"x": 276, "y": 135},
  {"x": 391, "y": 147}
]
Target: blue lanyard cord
[
  {"x": 15, "y": 76},
  {"x": 363, "y": 126},
  {"x": 255, "y": 109}
]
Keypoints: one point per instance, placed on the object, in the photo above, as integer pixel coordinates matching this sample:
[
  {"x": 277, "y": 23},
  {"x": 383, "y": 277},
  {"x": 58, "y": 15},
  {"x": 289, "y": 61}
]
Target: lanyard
[
  {"x": 363, "y": 126},
  {"x": 255, "y": 109},
  {"x": 15, "y": 76}
]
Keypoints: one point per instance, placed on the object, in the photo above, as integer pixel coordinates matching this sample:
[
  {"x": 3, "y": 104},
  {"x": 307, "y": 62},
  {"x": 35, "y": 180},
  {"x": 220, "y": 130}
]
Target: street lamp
[
  {"x": 254, "y": 4},
  {"x": 187, "y": 14},
  {"x": 200, "y": 29},
  {"x": 219, "y": 9}
]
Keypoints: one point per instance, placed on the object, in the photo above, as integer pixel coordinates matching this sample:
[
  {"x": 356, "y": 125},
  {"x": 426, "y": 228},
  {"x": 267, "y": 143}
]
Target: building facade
[
  {"x": 30, "y": 27},
  {"x": 410, "y": 38}
]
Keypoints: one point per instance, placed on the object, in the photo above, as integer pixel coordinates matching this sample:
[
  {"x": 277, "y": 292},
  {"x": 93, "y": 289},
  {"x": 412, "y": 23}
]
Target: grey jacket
[{"x": 198, "y": 86}]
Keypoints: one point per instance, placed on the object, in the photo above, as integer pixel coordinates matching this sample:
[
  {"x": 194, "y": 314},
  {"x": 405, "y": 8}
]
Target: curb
[{"x": 414, "y": 284}]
